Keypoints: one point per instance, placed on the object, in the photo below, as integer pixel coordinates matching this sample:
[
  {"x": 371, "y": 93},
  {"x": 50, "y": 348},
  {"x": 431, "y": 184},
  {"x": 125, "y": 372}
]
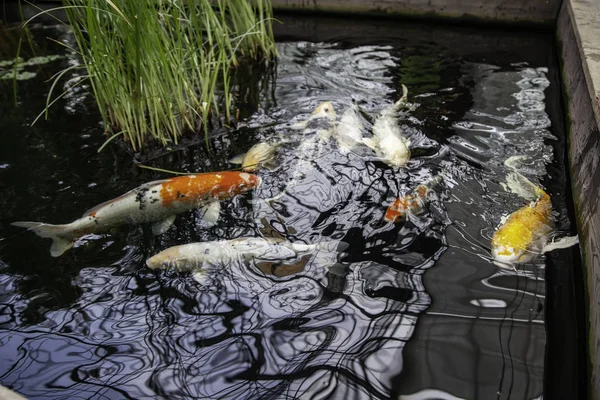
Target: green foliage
[{"x": 154, "y": 66}]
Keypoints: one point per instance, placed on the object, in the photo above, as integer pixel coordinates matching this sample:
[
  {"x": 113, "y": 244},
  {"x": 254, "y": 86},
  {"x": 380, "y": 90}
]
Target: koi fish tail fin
[
  {"x": 523, "y": 187},
  {"x": 518, "y": 162},
  {"x": 333, "y": 246},
  {"x": 57, "y": 233},
  {"x": 403, "y": 100},
  {"x": 562, "y": 243}
]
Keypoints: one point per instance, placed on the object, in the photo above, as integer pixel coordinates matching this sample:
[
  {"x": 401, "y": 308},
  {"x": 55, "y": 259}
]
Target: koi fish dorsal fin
[
  {"x": 141, "y": 187},
  {"x": 211, "y": 213},
  {"x": 160, "y": 227}
]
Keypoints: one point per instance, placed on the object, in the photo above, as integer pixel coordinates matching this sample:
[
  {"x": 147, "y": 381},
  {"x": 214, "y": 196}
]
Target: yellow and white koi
[
  {"x": 524, "y": 234},
  {"x": 158, "y": 202},
  {"x": 388, "y": 141},
  {"x": 259, "y": 155}
]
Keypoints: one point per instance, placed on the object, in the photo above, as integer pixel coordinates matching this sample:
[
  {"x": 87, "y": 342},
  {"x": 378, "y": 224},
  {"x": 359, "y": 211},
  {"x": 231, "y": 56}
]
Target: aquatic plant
[{"x": 155, "y": 66}]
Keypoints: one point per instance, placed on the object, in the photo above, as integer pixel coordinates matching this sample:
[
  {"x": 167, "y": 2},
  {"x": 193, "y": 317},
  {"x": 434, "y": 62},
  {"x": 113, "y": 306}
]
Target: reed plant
[{"x": 155, "y": 66}]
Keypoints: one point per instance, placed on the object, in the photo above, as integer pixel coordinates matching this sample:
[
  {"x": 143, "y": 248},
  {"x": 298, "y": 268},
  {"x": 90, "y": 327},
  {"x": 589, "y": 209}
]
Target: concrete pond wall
[
  {"x": 576, "y": 24},
  {"x": 578, "y": 40},
  {"x": 542, "y": 12}
]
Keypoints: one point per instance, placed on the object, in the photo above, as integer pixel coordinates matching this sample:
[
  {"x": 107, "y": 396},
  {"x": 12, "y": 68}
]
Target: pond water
[{"x": 409, "y": 310}]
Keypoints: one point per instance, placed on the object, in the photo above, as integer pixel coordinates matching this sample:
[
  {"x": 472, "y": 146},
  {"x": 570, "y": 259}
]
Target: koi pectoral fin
[
  {"x": 205, "y": 274},
  {"x": 211, "y": 213},
  {"x": 59, "y": 246},
  {"x": 158, "y": 228}
]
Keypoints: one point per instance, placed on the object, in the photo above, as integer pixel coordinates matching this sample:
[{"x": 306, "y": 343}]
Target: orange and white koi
[
  {"x": 524, "y": 234},
  {"x": 157, "y": 202},
  {"x": 411, "y": 204}
]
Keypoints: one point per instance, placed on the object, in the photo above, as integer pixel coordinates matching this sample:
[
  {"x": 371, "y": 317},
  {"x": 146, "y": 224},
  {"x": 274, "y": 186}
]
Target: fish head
[
  {"x": 521, "y": 237},
  {"x": 507, "y": 255},
  {"x": 170, "y": 258},
  {"x": 233, "y": 183},
  {"x": 186, "y": 257},
  {"x": 324, "y": 110}
]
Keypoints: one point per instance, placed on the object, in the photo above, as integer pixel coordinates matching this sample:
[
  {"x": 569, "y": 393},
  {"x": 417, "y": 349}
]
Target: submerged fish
[
  {"x": 261, "y": 153},
  {"x": 387, "y": 140},
  {"x": 258, "y": 155},
  {"x": 324, "y": 112},
  {"x": 157, "y": 201},
  {"x": 524, "y": 234},
  {"x": 195, "y": 256},
  {"x": 413, "y": 203}
]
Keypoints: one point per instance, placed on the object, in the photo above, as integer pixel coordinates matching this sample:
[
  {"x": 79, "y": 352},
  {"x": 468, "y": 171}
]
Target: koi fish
[
  {"x": 524, "y": 234},
  {"x": 158, "y": 202},
  {"x": 388, "y": 141},
  {"x": 323, "y": 112},
  {"x": 258, "y": 155},
  {"x": 196, "y": 256},
  {"x": 413, "y": 203}
]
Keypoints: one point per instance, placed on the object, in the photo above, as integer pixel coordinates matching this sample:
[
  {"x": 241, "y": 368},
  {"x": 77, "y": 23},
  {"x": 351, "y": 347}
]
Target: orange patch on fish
[
  {"x": 193, "y": 188},
  {"x": 413, "y": 203},
  {"x": 421, "y": 191}
]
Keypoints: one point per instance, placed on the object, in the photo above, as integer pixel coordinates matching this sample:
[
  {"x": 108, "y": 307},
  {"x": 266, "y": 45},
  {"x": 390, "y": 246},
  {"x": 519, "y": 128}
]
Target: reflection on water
[{"x": 409, "y": 310}]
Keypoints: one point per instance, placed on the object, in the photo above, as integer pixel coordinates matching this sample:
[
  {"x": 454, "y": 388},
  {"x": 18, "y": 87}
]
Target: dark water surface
[{"x": 412, "y": 310}]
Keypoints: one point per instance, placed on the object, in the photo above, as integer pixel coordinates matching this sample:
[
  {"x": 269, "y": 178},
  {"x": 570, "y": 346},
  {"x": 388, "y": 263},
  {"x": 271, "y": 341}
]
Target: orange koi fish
[
  {"x": 157, "y": 202},
  {"x": 413, "y": 203}
]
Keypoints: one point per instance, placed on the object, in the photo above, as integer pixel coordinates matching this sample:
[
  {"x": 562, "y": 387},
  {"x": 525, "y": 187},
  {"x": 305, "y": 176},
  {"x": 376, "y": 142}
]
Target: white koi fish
[
  {"x": 324, "y": 112},
  {"x": 388, "y": 141},
  {"x": 196, "y": 257},
  {"x": 524, "y": 234},
  {"x": 157, "y": 201}
]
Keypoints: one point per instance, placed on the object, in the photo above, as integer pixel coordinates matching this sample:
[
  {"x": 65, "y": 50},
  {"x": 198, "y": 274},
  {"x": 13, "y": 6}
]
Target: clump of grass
[{"x": 154, "y": 66}]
